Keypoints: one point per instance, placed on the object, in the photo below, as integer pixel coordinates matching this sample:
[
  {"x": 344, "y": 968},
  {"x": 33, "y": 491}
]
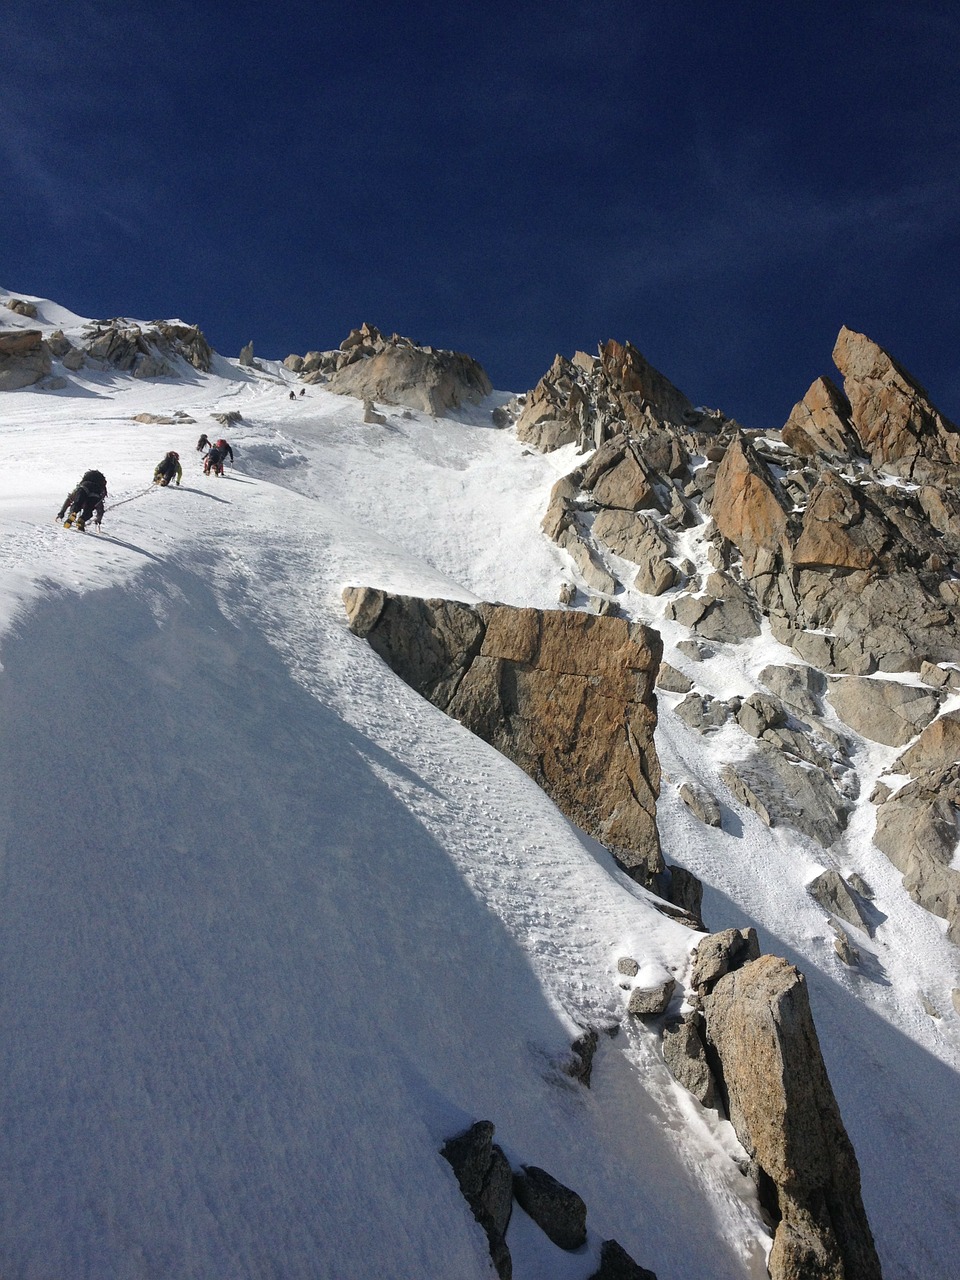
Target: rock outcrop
[
  {"x": 151, "y": 351},
  {"x": 567, "y": 696},
  {"x": 898, "y": 427},
  {"x": 857, "y": 573},
  {"x": 559, "y": 1212},
  {"x": 840, "y": 534},
  {"x": 24, "y": 358},
  {"x": 486, "y": 1180},
  {"x": 489, "y": 1186},
  {"x": 820, "y": 426},
  {"x": 883, "y": 710},
  {"x": 21, "y": 307},
  {"x": 917, "y": 830},
  {"x": 395, "y": 370},
  {"x": 836, "y": 896},
  {"x": 779, "y": 1099},
  {"x": 590, "y": 399},
  {"x": 936, "y": 749}
]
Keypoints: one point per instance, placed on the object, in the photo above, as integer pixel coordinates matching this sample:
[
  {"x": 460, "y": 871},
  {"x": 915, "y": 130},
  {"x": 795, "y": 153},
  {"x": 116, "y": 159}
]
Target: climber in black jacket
[{"x": 85, "y": 501}]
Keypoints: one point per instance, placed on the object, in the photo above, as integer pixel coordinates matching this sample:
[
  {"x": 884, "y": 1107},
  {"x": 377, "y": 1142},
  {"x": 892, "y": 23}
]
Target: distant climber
[
  {"x": 293, "y": 395},
  {"x": 85, "y": 501},
  {"x": 203, "y": 443},
  {"x": 168, "y": 467},
  {"x": 215, "y": 456},
  {"x": 303, "y": 391}
]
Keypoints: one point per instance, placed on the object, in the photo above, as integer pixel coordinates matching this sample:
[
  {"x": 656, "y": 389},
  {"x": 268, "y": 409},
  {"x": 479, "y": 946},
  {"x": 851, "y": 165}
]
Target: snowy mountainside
[{"x": 274, "y": 927}]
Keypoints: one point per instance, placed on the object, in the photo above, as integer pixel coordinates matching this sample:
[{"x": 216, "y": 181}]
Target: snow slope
[{"x": 274, "y": 928}]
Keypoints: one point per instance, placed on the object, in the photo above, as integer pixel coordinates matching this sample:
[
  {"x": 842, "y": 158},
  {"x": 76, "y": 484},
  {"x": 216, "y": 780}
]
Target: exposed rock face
[
  {"x": 800, "y": 688},
  {"x": 489, "y": 1185},
  {"x": 701, "y": 804},
  {"x": 917, "y": 830},
  {"x": 591, "y": 398},
  {"x": 567, "y": 696},
  {"x": 856, "y": 574},
  {"x": 897, "y": 426},
  {"x": 24, "y": 358},
  {"x": 553, "y": 414},
  {"x": 22, "y": 308},
  {"x": 782, "y": 1106},
  {"x": 616, "y": 1264},
  {"x": 486, "y": 1180},
  {"x": 685, "y": 1054},
  {"x": 882, "y": 710},
  {"x": 838, "y": 531},
  {"x": 150, "y": 352},
  {"x": 559, "y": 1212},
  {"x": 820, "y": 424},
  {"x": 650, "y": 1002},
  {"x": 748, "y": 505},
  {"x": 834, "y": 895},
  {"x": 782, "y": 791},
  {"x": 937, "y": 748},
  {"x": 719, "y": 954},
  {"x": 396, "y": 371}
]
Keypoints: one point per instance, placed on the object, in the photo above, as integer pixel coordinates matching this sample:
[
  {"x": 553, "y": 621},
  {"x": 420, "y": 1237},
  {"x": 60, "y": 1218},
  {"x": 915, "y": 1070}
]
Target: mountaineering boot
[
  {"x": 81, "y": 524},
  {"x": 68, "y": 521}
]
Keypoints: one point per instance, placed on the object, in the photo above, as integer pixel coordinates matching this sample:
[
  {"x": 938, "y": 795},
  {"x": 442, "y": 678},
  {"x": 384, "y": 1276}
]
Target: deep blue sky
[{"x": 723, "y": 184}]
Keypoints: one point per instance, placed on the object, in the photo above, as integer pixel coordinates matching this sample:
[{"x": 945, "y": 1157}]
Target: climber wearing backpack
[
  {"x": 85, "y": 501},
  {"x": 214, "y": 459},
  {"x": 168, "y": 467},
  {"x": 203, "y": 443}
]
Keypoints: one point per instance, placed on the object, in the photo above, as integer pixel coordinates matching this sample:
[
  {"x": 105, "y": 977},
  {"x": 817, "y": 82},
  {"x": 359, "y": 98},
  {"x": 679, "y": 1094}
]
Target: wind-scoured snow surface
[{"x": 273, "y": 928}]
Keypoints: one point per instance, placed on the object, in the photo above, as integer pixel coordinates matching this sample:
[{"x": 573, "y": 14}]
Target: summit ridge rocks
[
  {"x": 840, "y": 535},
  {"x": 395, "y": 370}
]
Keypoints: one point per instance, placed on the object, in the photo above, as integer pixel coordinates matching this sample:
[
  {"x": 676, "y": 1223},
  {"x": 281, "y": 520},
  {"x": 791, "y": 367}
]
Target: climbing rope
[{"x": 133, "y": 497}]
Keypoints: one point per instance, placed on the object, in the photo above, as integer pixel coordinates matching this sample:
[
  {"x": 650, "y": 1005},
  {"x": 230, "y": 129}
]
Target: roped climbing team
[{"x": 88, "y": 497}]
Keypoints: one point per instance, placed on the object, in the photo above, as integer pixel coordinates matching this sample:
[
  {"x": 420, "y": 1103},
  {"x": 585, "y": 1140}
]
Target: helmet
[{"x": 171, "y": 454}]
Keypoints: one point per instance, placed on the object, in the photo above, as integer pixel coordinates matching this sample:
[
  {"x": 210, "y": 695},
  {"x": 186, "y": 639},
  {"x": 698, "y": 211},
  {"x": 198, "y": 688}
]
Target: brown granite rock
[
  {"x": 616, "y": 476},
  {"x": 820, "y": 424},
  {"x": 917, "y": 830},
  {"x": 554, "y": 409},
  {"x": 567, "y": 696},
  {"x": 784, "y": 1112},
  {"x": 883, "y": 710},
  {"x": 747, "y": 505},
  {"x": 837, "y": 531},
  {"x": 899, "y": 428},
  {"x": 398, "y": 372},
  {"x": 938, "y": 747},
  {"x": 24, "y": 358}
]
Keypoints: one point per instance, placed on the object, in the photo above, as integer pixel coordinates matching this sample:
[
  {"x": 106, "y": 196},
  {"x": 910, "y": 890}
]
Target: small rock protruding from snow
[
  {"x": 650, "y": 1002},
  {"x": 701, "y": 804},
  {"x": 833, "y": 893},
  {"x": 616, "y": 1264},
  {"x": 559, "y": 1212},
  {"x": 486, "y": 1180}
]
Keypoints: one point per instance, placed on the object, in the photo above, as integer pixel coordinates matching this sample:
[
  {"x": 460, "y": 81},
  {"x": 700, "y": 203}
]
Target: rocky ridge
[
  {"x": 839, "y": 535},
  {"x": 161, "y": 349},
  {"x": 394, "y": 371}
]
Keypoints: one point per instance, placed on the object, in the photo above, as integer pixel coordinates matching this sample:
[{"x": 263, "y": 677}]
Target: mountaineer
[
  {"x": 214, "y": 459},
  {"x": 85, "y": 500},
  {"x": 168, "y": 467}
]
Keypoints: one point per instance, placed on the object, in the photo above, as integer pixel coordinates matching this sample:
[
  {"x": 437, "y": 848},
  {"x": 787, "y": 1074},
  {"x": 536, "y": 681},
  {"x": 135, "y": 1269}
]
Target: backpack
[
  {"x": 93, "y": 482},
  {"x": 221, "y": 444}
]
